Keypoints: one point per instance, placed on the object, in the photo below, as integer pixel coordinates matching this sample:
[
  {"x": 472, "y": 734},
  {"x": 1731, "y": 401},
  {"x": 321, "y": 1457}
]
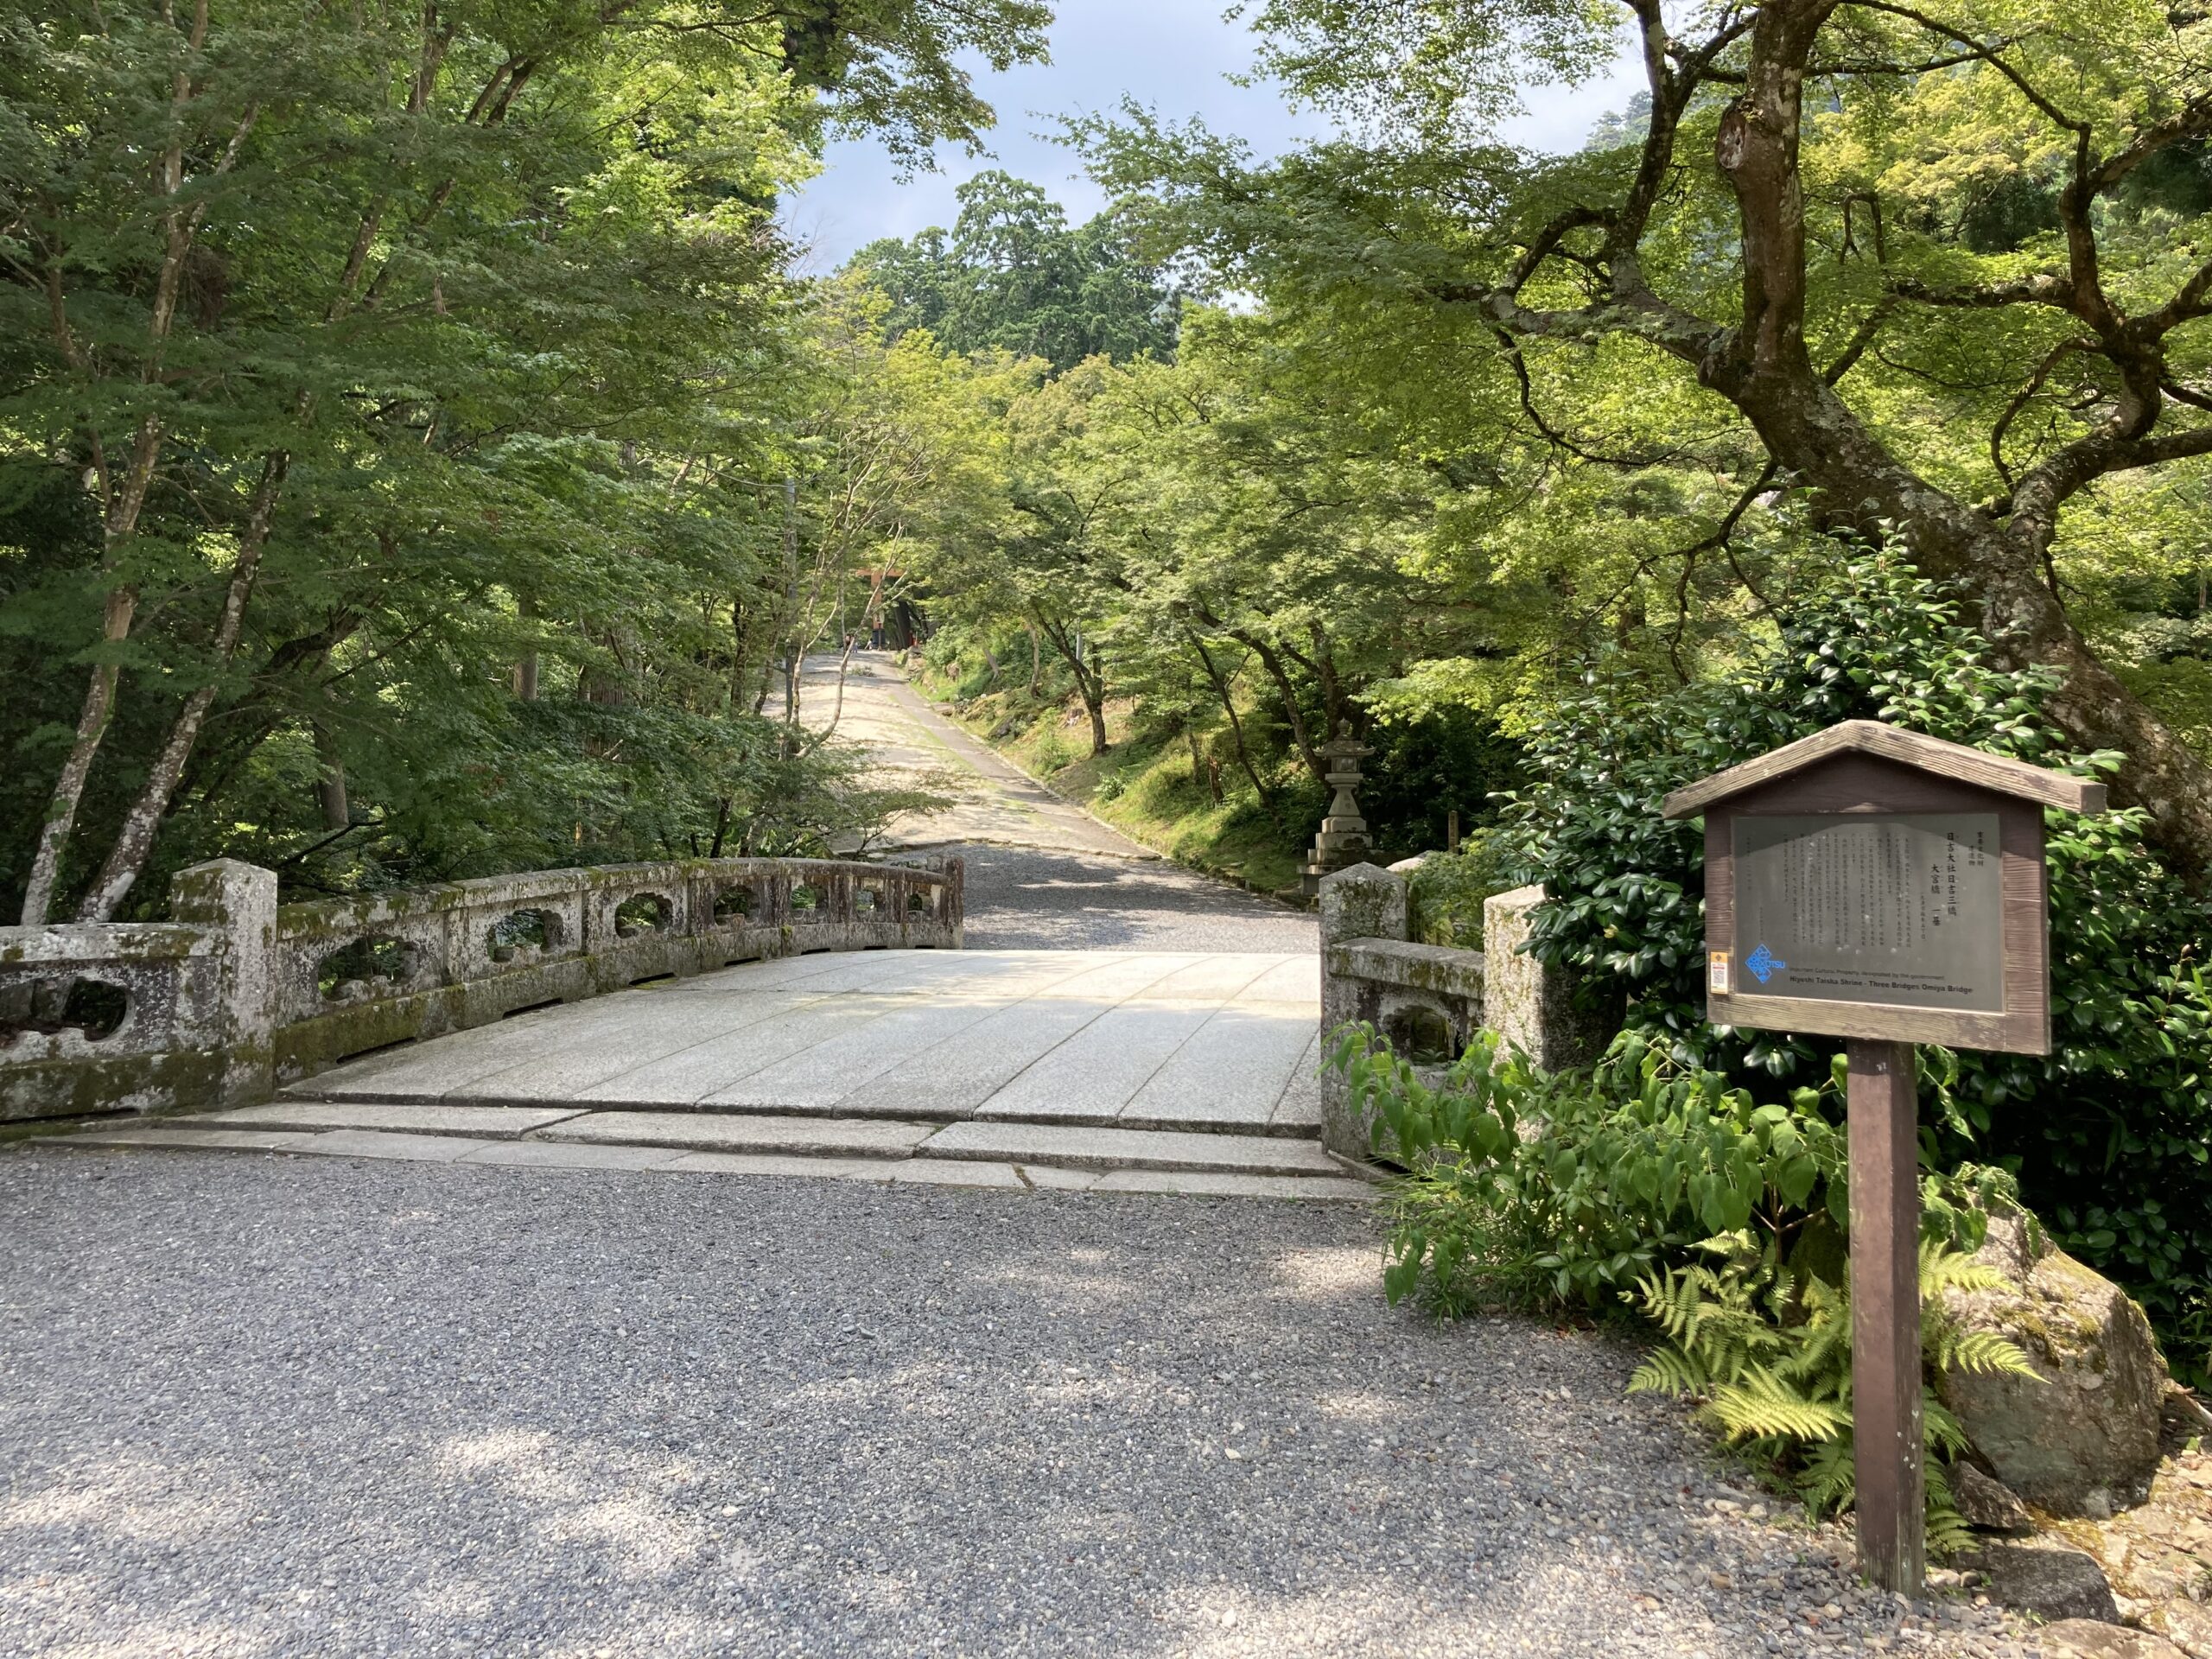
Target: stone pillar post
[
  {"x": 239, "y": 901},
  {"x": 1361, "y": 903},
  {"x": 1529, "y": 1005}
]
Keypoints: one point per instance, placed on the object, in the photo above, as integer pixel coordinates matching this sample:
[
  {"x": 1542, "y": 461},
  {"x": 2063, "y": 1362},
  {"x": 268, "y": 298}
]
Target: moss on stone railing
[
  {"x": 1428, "y": 1001},
  {"x": 239, "y": 994}
]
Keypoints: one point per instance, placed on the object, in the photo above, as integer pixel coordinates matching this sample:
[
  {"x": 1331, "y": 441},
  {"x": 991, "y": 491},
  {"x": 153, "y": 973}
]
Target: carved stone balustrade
[
  {"x": 238, "y": 995},
  {"x": 1428, "y": 1000}
]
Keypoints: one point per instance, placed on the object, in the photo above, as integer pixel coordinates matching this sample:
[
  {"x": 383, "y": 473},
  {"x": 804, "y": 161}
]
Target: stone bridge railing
[
  {"x": 1430, "y": 1000},
  {"x": 239, "y": 993}
]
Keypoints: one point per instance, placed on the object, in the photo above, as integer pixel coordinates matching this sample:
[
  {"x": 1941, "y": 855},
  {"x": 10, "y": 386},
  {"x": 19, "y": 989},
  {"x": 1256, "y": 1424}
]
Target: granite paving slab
[
  {"x": 679, "y": 1081},
  {"x": 642, "y": 1031},
  {"x": 554, "y": 1154},
  {"x": 1233, "y": 1070},
  {"x": 1292, "y": 979},
  {"x": 1300, "y": 1105},
  {"x": 1109, "y": 1148},
  {"x": 876, "y": 1137},
  {"x": 1211, "y": 979},
  {"x": 939, "y": 1172},
  {"x": 383, "y": 1143},
  {"x": 419, "y": 1070},
  {"x": 1214, "y": 1184},
  {"x": 158, "y": 1136},
  {"x": 629, "y": 1024},
  {"x": 1091, "y": 1076},
  {"x": 877, "y": 1170},
  {"x": 912, "y": 1037},
  {"x": 954, "y": 1078}
]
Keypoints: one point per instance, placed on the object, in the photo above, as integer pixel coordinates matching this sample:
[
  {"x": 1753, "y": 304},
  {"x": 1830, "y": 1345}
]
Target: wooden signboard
[{"x": 1888, "y": 888}]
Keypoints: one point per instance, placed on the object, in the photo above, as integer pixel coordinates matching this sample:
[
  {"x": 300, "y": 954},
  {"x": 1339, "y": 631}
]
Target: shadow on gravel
[{"x": 265, "y": 1408}]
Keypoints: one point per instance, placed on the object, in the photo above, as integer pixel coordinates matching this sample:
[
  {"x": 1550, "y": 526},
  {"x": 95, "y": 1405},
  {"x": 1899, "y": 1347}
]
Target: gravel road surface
[{"x": 251, "y": 1406}]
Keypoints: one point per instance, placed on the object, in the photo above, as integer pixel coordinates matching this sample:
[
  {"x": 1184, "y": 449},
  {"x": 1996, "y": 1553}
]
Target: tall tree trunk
[
  {"x": 526, "y": 670},
  {"x": 1235, "y": 724},
  {"x": 1036, "y": 665},
  {"x": 123, "y": 499},
  {"x": 1767, "y": 372},
  {"x": 69, "y": 787},
  {"x": 1094, "y": 699}
]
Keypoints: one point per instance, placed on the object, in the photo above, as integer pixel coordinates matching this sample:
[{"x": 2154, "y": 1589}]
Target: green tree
[
  {"x": 1013, "y": 276},
  {"x": 401, "y": 357},
  {"x": 1819, "y": 259}
]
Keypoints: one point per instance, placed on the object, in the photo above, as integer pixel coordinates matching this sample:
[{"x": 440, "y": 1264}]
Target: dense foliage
[
  {"x": 1013, "y": 276},
  {"x": 2121, "y": 1108},
  {"x": 415, "y": 456},
  {"x": 1945, "y": 268}
]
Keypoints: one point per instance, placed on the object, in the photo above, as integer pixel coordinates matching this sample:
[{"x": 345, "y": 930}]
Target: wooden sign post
[{"x": 1888, "y": 888}]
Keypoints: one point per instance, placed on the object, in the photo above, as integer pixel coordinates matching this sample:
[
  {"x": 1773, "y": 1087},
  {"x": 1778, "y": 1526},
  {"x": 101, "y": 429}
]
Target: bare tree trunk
[
  {"x": 134, "y": 842},
  {"x": 1036, "y": 665},
  {"x": 1235, "y": 725},
  {"x": 526, "y": 670},
  {"x": 837, "y": 709},
  {"x": 124, "y": 502},
  {"x": 69, "y": 788},
  {"x": 1286, "y": 694},
  {"x": 1093, "y": 687}
]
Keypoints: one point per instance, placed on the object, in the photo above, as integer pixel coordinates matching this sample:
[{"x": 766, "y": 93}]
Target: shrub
[
  {"x": 1445, "y": 897},
  {"x": 2108, "y": 1135},
  {"x": 1670, "y": 1189}
]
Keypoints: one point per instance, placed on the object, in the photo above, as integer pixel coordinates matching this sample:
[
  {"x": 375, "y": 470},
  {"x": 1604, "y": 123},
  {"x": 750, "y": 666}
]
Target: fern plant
[{"x": 1767, "y": 1356}]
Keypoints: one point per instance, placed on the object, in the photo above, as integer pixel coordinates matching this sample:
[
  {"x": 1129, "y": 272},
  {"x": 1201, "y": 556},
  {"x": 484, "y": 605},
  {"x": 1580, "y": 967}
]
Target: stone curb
[{"x": 549, "y": 1155}]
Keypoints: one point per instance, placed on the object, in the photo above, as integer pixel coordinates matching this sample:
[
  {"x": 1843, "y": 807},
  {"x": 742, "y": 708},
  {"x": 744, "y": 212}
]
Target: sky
[{"x": 1175, "y": 55}]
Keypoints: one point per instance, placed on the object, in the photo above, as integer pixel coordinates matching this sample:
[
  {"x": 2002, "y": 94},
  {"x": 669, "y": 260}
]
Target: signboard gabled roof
[{"x": 1930, "y": 754}]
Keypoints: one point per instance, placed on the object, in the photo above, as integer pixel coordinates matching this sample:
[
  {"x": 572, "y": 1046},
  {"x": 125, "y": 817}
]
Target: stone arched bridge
[{"x": 772, "y": 1015}]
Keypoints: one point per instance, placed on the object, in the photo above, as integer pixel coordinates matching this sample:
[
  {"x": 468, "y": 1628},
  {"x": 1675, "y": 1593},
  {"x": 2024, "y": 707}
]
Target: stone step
[
  {"x": 845, "y": 1137},
  {"x": 1300, "y": 1118},
  {"x": 967, "y": 1171},
  {"x": 1058, "y": 1145},
  {"x": 1070, "y": 1147},
  {"x": 490, "y": 1122}
]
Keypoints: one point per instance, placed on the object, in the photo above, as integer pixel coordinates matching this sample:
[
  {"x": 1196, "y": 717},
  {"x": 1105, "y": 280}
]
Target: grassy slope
[{"x": 1143, "y": 787}]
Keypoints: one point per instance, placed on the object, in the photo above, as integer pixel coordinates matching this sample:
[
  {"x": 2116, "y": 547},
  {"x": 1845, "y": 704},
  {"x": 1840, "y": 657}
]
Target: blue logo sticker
[{"x": 1764, "y": 964}]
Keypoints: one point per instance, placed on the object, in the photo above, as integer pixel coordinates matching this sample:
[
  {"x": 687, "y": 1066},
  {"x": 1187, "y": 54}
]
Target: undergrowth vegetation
[{"x": 1657, "y": 1185}]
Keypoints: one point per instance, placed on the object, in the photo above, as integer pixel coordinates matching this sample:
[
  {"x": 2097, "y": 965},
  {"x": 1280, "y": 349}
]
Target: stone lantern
[{"x": 1342, "y": 840}]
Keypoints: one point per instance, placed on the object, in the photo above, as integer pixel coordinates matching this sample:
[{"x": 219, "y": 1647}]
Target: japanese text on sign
[{"x": 1904, "y": 909}]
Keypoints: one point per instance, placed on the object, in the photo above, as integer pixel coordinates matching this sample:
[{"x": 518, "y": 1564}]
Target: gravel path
[
  {"x": 1019, "y": 900},
  {"x": 257, "y": 1406}
]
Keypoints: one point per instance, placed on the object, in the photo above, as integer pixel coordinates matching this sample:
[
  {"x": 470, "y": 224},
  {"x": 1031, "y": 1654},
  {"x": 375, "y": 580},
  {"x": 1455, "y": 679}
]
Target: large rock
[
  {"x": 2049, "y": 1582},
  {"x": 2081, "y": 1437},
  {"x": 1988, "y": 1505}
]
